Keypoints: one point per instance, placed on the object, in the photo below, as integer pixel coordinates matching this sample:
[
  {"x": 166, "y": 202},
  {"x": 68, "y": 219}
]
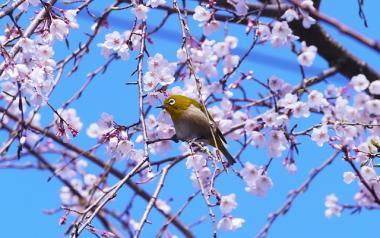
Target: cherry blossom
[
  {"x": 101, "y": 127},
  {"x": 240, "y": 6},
  {"x": 140, "y": 11},
  {"x": 273, "y": 117},
  {"x": 275, "y": 83},
  {"x": 210, "y": 27},
  {"x": 300, "y": 109},
  {"x": 290, "y": 15},
  {"x": 261, "y": 186},
  {"x": 257, "y": 138},
  {"x": 59, "y": 29},
  {"x": 307, "y": 56},
  {"x": 201, "y": 14},
  {"x": 360, "y": 82},
  {"x": 71, "y": 124},
  {"x": 368, "y": 173},
  {"x": 155, "y": 3},
  {"x": 204, "y": 177},
  {"x": 316, "y": 100},
  {"x": 113, "y": 40},
  {"x": 70, "y": 16},
  {"x": 257, "y": 183},
  {"x": 307, "y": 20},
  {"x": 263, "y": 32},
  {"x": 281, "y": 34},
  {"x": 230, "y": 223},
  {"x": 196, "y": 161},
  {"x": 374, "y": 87},
  {"x": 332, "y": 206},
  {"x": 25, "y": 5},
  {"x": 160, "y": 72},
  {"x": 348, "y": 177},
  {"x": 320, "y": 135},
  {"x": 373, "y": 106},
  {"x": 228, "y": 203},
  {"x": 277, "y": 143}
]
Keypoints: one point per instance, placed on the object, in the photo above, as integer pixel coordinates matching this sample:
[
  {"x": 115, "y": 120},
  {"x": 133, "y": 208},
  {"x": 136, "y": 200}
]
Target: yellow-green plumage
[{"x": 190, "y": 122}]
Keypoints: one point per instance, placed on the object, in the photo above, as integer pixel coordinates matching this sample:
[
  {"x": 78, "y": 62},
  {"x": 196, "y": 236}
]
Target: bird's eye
[{"x": 171, "y": 101}]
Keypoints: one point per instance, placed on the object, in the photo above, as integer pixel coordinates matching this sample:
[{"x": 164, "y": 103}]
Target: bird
[{"x": 192, "y": 122}]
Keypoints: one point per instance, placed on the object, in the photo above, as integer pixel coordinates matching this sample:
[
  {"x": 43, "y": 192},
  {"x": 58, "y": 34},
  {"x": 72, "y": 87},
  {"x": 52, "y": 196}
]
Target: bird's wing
[{"x": 204, "y": 110}]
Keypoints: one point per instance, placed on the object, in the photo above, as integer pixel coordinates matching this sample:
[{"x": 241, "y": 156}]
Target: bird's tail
[
  {"x": 228, "y": 156},
  {"x": 225, "y": 152}
]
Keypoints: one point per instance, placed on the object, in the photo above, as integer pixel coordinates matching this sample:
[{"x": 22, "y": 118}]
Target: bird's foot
[{"x": 175, "y": 138}]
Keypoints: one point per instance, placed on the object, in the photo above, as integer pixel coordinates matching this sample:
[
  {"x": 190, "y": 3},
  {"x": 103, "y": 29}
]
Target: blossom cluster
[{"x": 121, "y": 44}]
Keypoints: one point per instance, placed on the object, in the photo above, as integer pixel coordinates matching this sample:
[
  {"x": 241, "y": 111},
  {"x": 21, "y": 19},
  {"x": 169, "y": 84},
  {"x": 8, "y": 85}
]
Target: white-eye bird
[{"x": 191, "y": 123}]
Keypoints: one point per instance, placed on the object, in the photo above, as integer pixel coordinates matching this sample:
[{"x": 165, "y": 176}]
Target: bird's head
[{"x": 175, "y": 105}]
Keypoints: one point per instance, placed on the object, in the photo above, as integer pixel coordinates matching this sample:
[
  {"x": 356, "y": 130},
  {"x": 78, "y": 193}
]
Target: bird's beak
[{"x": 161, "y": 106}]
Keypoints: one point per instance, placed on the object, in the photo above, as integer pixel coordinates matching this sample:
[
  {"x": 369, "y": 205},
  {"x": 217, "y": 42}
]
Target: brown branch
[
  {"x": 140, "y": 86},
  {"x": 370, "y": 189},
  {"x": 340, "y": 26},
  {"x": 11, "y": 8},
  {"x": 28, "y": 32},
  {"x": 153, "y": 199},
  {"x": 99, "y": 162},
  {"x": 104, "y": 199},
  {"x": 293, "y": 195},
  {"x": 331, "y": 50}
]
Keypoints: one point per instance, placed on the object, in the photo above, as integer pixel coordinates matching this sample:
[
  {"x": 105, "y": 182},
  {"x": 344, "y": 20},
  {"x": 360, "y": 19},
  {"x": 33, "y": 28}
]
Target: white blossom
[
  {"x": 374, "y": 87},
  {"x": 155, "y": 3},
  {"x": 307, "y": 56},
  {"x": 59, "y": 29},
  {"x": 196, "y": 161},
  {"x": 228, "y": 203},
  {"x": 360, "y": 82},
  {"x": 316, "y": 99},
  {"x": 140, "y": 11},
  {"x": 348, "y": 177},
  {"x": 281, "y": 34},
  {"x": 275, "y": 83},
  {"x": 320, "y": 135},
  {"x": 201, "y": 14},
  {"x": 90, "y": 180},
  {"x": 240, "y": 6},
  {"x": 373, "y": 106},
  {"x": 332, "y": 206},
  {"x": 113, "y": 40},
  {"x": 257, "y": 138},
  {"x": 230, "y": 223},
  {"x": 210, "y": 27},
  {"x": 300, "y": 109},
  {"x": 290, "y": 15}
]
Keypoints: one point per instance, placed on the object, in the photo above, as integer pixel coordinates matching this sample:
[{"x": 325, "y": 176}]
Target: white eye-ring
[{"x": 171, "y": 101}]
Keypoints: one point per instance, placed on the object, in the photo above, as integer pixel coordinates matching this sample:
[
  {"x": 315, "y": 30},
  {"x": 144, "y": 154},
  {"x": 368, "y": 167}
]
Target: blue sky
[{"x": 26, "y": 194}]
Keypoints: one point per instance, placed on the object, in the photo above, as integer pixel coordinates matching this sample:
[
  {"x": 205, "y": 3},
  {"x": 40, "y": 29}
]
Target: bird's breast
[{"x": 192, "y": 124}]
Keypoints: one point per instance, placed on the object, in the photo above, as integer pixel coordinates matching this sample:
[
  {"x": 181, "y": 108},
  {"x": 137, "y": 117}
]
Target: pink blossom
[
  {"x": 320, "y": 135},
  {"x": 290, "y": 15},
  {"x": 155, "y": 3},
  {"x": 374, "y": 87},
  {"x": 307, "y": 56},
  {"x": 230, "y": 223},
  {"x": 141, "y": 12},
  {"x": 360, "y": 82},
  {"x": 332, "y": 206},
  {"x": 228, "y": 203},
  {"x": 348, "y": 177},
  {"x": 201, "y": 14},
  {"x": 210, "y": 27},
  {"x": 59, "y": 29}
]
